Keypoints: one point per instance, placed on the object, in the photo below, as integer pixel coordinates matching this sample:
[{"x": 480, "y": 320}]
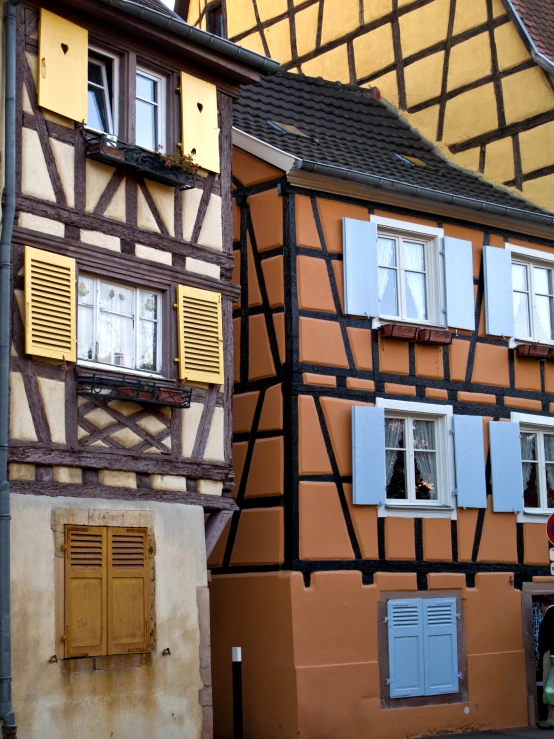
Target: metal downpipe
[{"x": 9, "y": 728}]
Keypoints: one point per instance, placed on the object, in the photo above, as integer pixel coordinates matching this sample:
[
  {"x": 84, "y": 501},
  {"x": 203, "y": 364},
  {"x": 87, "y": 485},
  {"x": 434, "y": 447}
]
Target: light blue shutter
[
  {"x": 499, "y": 310},
  {"x": 361, "y": 284},
  {"x": 507, "y": 479},
  {"x": 406, "y": 660},
  {"x": 458, "y": 272},
  {"x": 471, "y": 485},
  {"x": 440, "y": 645},
  {"x": 368, "y": 455}
]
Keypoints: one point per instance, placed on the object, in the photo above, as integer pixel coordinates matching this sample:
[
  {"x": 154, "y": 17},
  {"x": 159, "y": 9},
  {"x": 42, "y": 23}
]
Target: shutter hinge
[
  {"x": 176, "y": 359},
  {"x": 460, "y": 676},
  {"x": 175, "y": 305},
  {"x": 455, "y": 491},
  {"x": 65, "y": 637},
  {"x": 65, "y": 547},
  {"x": 441, "y": 253},
  {"x": 388, "y": 680},
  {"x": 386, "y": 619},
  {"x": 458, "y": 616},
  {"x": 444, "y": 311}
]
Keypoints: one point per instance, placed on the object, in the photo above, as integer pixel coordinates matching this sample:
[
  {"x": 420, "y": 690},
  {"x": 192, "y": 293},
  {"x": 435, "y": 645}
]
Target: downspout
[{"x": 7, "y": 716}]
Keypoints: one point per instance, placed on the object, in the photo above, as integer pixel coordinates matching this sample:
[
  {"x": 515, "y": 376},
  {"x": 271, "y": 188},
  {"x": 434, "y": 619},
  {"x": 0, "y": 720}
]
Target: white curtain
[
  {"x": 385, "y": 256},
  {"x": 426, "y": 463},
  {"x": 528, "y": 451},
  {"x": 415, "y": 281},
  {"x": 549, "y": 457},
  {"x": 394, "y": 431}
]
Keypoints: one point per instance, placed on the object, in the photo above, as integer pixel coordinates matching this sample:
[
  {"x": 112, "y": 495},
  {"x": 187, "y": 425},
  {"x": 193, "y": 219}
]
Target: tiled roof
[
  {"x": 346, "y": 127},
  {"x": 156, "y": 5},
  {"x": 535, "y": 19}
]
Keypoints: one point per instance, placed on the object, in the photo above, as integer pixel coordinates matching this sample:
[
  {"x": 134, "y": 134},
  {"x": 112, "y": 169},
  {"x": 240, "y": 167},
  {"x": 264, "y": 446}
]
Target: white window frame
[
  {"x": 445, "y": 505},
  {"x": 94, "y": 364},
  {"x": 530, "y": 258},
  {"x": 434, "y": 261},
  {"x": 537, "y": 424},
  {"x": 160, "y": 105},
  {"x": 113, "y": 110}
]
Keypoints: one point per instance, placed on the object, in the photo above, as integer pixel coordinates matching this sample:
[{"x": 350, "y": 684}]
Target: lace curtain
[
  {"x": 394, "y": 433},
  {"x": 426, "y": 463},
  {"x": 414, "y": 259},
  {"x": 528, "y": 451},
  {"x": 386, "y": 257},
  {"x": 549, "y": 457}
]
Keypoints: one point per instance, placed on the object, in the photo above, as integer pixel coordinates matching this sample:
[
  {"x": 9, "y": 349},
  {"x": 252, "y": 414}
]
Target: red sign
[{"x": 550, "y": 529}]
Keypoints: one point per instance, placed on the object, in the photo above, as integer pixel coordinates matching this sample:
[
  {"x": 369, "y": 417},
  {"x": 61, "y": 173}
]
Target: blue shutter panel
[
  {"x": 499, "y": 310},
  {"x": 406, "y": 659},
  {"x": 470, "y": 462},
  {"x": 507, "y": 478},
  {"x": 440, "y": 645},
  {"x": 368, "y": 455},
  {"x": 361, "y": 285},
  {"x": 458, "y": 272}
]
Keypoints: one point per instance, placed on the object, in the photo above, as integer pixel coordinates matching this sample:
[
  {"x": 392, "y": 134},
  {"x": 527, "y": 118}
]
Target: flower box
[
  {"x": 107, "y": 150},
  {"x": 535, "y": 351},
  {"x": 399, "y": 331},
  {"x": 434, "y": 336}
]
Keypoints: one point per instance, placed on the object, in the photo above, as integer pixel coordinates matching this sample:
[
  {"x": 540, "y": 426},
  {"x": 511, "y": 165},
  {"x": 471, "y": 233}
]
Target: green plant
[{"x": 177, "y": 160}]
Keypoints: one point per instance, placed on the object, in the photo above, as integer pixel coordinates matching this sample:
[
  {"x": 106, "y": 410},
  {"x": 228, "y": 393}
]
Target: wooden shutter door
[
  {"x": 499, "y": 307},
  {"x": 406, "y": 660},
  {"x": 368, "y": 455},
  {"x": 200, "y": 121},
  {"x": 470, "y": 461},
  {"x": 361, "y": 281},
  {"x": 50, "y": 308},
  {"x": 506, "y": 472},
  {"x": 200, "y": 335},
  {"x": 85, "y": 591},
  {"x": 458, "y": 273},
  {"x": 440, "y": 645},
  {"x": 128, "y": 591}
]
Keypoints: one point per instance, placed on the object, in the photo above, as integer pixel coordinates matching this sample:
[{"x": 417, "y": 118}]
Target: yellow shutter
[
  {"x": 199, "y": 121},
  {"x": 85, "y": 591},
  {"x": 63, "y": 67},
  {"x": 128, "y": 591},
  {"x": 50, "y": 310},
  {"x": 200, "y": 335}
]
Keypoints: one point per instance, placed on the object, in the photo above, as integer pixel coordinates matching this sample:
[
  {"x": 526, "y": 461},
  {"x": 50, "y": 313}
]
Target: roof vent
[
  {"x": 287, "y": 128},
  {"x": 415, "y": 162}
]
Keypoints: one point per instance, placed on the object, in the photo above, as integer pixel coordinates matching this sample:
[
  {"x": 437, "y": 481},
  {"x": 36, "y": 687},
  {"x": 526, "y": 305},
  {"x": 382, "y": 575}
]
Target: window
[
  {"x": 532, "y": 298},
  {"x": 215, "y": 22},
  {"x": 150, "y": 116},
  {"x": 537, "y": 466},
  {"x": 118, "y": 325},
  {"x": 102, "y": 93},
  {"x": 106, "y": 593}
]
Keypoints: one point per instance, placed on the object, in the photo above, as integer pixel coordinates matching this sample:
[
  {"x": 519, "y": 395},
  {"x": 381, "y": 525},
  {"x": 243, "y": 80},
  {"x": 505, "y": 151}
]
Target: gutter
[
  {"x": 176, "y": 25},
  {"x": 9, "y": 728},
  {"x": 537, "y": 56}
]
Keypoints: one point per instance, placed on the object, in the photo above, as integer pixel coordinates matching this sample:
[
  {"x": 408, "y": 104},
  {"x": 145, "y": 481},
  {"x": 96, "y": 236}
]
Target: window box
[
  {"x": 399, "y": 331},
  {"x": 434, "y": 336},
  {"x": 139, "y": 161},
  {"x": 535, "y": 351},
  {"x": 136, "y": 389}
]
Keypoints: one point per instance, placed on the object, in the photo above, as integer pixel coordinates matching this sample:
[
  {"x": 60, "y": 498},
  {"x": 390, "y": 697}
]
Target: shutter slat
[
  {"x": 361, "y": 283},
  {"x": 50, "y": 310},
  {"x": 458, "y": 271},
  {"x": 368, "y": 455},
  {"x": 470, "y": 462},
  {"x": 440, "y": 645},
  {"x": 406, "y": 657},
  {"x": 499, "y": 310},
  {"x": 506, "y": 473},
  {"x": 200, "y": 335}
]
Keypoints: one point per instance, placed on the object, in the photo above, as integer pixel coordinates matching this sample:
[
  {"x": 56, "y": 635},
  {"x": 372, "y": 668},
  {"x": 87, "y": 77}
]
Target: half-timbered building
[
  {"x": 121, "y": 367},
  {"x": 394, "y": 339}
]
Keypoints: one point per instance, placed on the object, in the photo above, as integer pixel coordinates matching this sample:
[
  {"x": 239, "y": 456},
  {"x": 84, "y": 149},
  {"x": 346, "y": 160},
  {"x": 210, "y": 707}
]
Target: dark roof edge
[
  {"x": 177, "y": 25},
  {"x": 538, "y": 57},
  {"x": 386, "y": 183}
]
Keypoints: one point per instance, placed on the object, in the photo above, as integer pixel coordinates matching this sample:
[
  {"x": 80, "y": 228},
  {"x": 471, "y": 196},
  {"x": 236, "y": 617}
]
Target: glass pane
[
  {"x": 386, "y": 252},
  {"x": 85, "y": 335},
  {"x": 85, "y": 291},
  {"x": 146, "y": 88},
  {"x": 543, "y": 281},
  {"x": 115, "y": 340},
  {"x": 97, "y": 110},
  {"x": 388, "y": 299},
  {"x": 549, "y": 447},
  {"x": 117, "y": 299},
  {"x": 95, "y": 73},
  {"x": 148, "y": 305},
  {"x": 549, "y": 485},
  {"x": 543, "y": 318},
  {"x": 414, "y": 256},
  {"x": 424, "y": 435},
  {"x": 147, "y": 136},
  {"x": 521, "y": 314},
  {"x": 426, "y": 475},
  {"x": 528, "y": 444},
  {"x": 530, "y": 485},
  {"x": 147, "y": 353},
  {"x": 396, "y": 487},
  {"x": 519, "y": 277},
  {"x": 394, "y": 433},
  {"x": 416, "y": 300}
]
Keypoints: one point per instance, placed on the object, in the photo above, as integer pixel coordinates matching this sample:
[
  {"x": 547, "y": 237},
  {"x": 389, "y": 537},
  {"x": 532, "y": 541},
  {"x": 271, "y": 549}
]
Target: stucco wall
[{"x": 159, "y": 699}]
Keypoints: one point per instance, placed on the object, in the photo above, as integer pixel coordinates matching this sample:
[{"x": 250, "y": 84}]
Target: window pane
[
  {"x": 394, "y": 433},
  {"x": 117, "y": 299},
  {"x": 416, "y": 302},
  {"x": 388, "y": 298},
  {"x": 85, "y": 334},
  {"x": 147, "y": 357},
  {"x": 97, "y": 110},
  {"x": 414, "y": 256},
  {"x": 147, "y": 135},
  {"x": 146, "y": 88},
  {"x": 519, "y": 277},
  {"x": 530, "y": 485},
  {"x": 521, "y": 314},
  {"x": 396, "y": 475},
  {"x": 549, "y": 485},
  {"x": 528, "y": 444},
  {"x": 543, "y": 318},
  {"x": 95, "y": 73},
  {"x": 426, "y": 476},
  {"x": 549, "y": 447},
  {"x": 148, "y": 305},
  {"x": 386, "y": 252},
  {"x": 85, "y": 291},
  {"x": 543, "y": 281},
  {"x": 115, "y": 340}
]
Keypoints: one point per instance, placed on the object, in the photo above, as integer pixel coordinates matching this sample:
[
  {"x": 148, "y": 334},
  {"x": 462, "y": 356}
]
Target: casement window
[
  {"x": 537, "y": 467},
  {"x": 397, "y": 271},
  {"x": 106, "y": 591},
  {"x": 119, "y": 325},
  {"x": 150, "y": 110},
  {"x": 422, "y": 647},
  {"x": 102, "y": 97},
  {"x": 533, "y": 293}
]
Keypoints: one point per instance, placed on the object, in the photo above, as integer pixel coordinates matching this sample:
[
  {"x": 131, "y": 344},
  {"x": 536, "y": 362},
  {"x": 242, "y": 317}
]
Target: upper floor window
[
  {"x": 102, "y": 83},
  {"x": 403, "y": 277},
  {"x": 149, "y": 107},
  {"x": 537, "y": 466},
  {"x": 533, "y": 294}
]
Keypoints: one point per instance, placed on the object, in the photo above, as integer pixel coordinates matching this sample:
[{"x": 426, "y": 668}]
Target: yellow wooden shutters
[
  {"x": 200, "y": 335},
  {"x": 50, "y": 310},
  {"x": 199, "y": 121},
  {"x": 63, "y": 67}
]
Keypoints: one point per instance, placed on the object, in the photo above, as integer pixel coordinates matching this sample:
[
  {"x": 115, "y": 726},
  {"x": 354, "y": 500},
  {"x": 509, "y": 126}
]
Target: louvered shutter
[
  {"x": 50, "y": 309},
  {"x": 458, "y": 271},
  {"x": 499, "y": 310},
  {"x": 361, "y": 283},
  {"x": 471, "y": 485},
  {"x": 200, "y": 121},
  {"x": 200, "y": 335},
  {"x": 368, "y": 455},
  {"x": 507, "y": 477},
  {"x": 406, "y": 658},
  {"x": 128, "y": 591},
  {"x": 85, "y": 591},
  {"x": 63, "y": 67},
  {"x": 440, "y": 645}
]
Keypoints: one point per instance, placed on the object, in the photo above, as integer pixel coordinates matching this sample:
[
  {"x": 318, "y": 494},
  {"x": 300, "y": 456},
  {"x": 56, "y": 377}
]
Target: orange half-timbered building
[{"x": 394, "y": 338}]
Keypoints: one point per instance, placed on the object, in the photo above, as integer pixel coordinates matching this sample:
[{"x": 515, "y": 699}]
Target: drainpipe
[{"x": 9, "y": 728}]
